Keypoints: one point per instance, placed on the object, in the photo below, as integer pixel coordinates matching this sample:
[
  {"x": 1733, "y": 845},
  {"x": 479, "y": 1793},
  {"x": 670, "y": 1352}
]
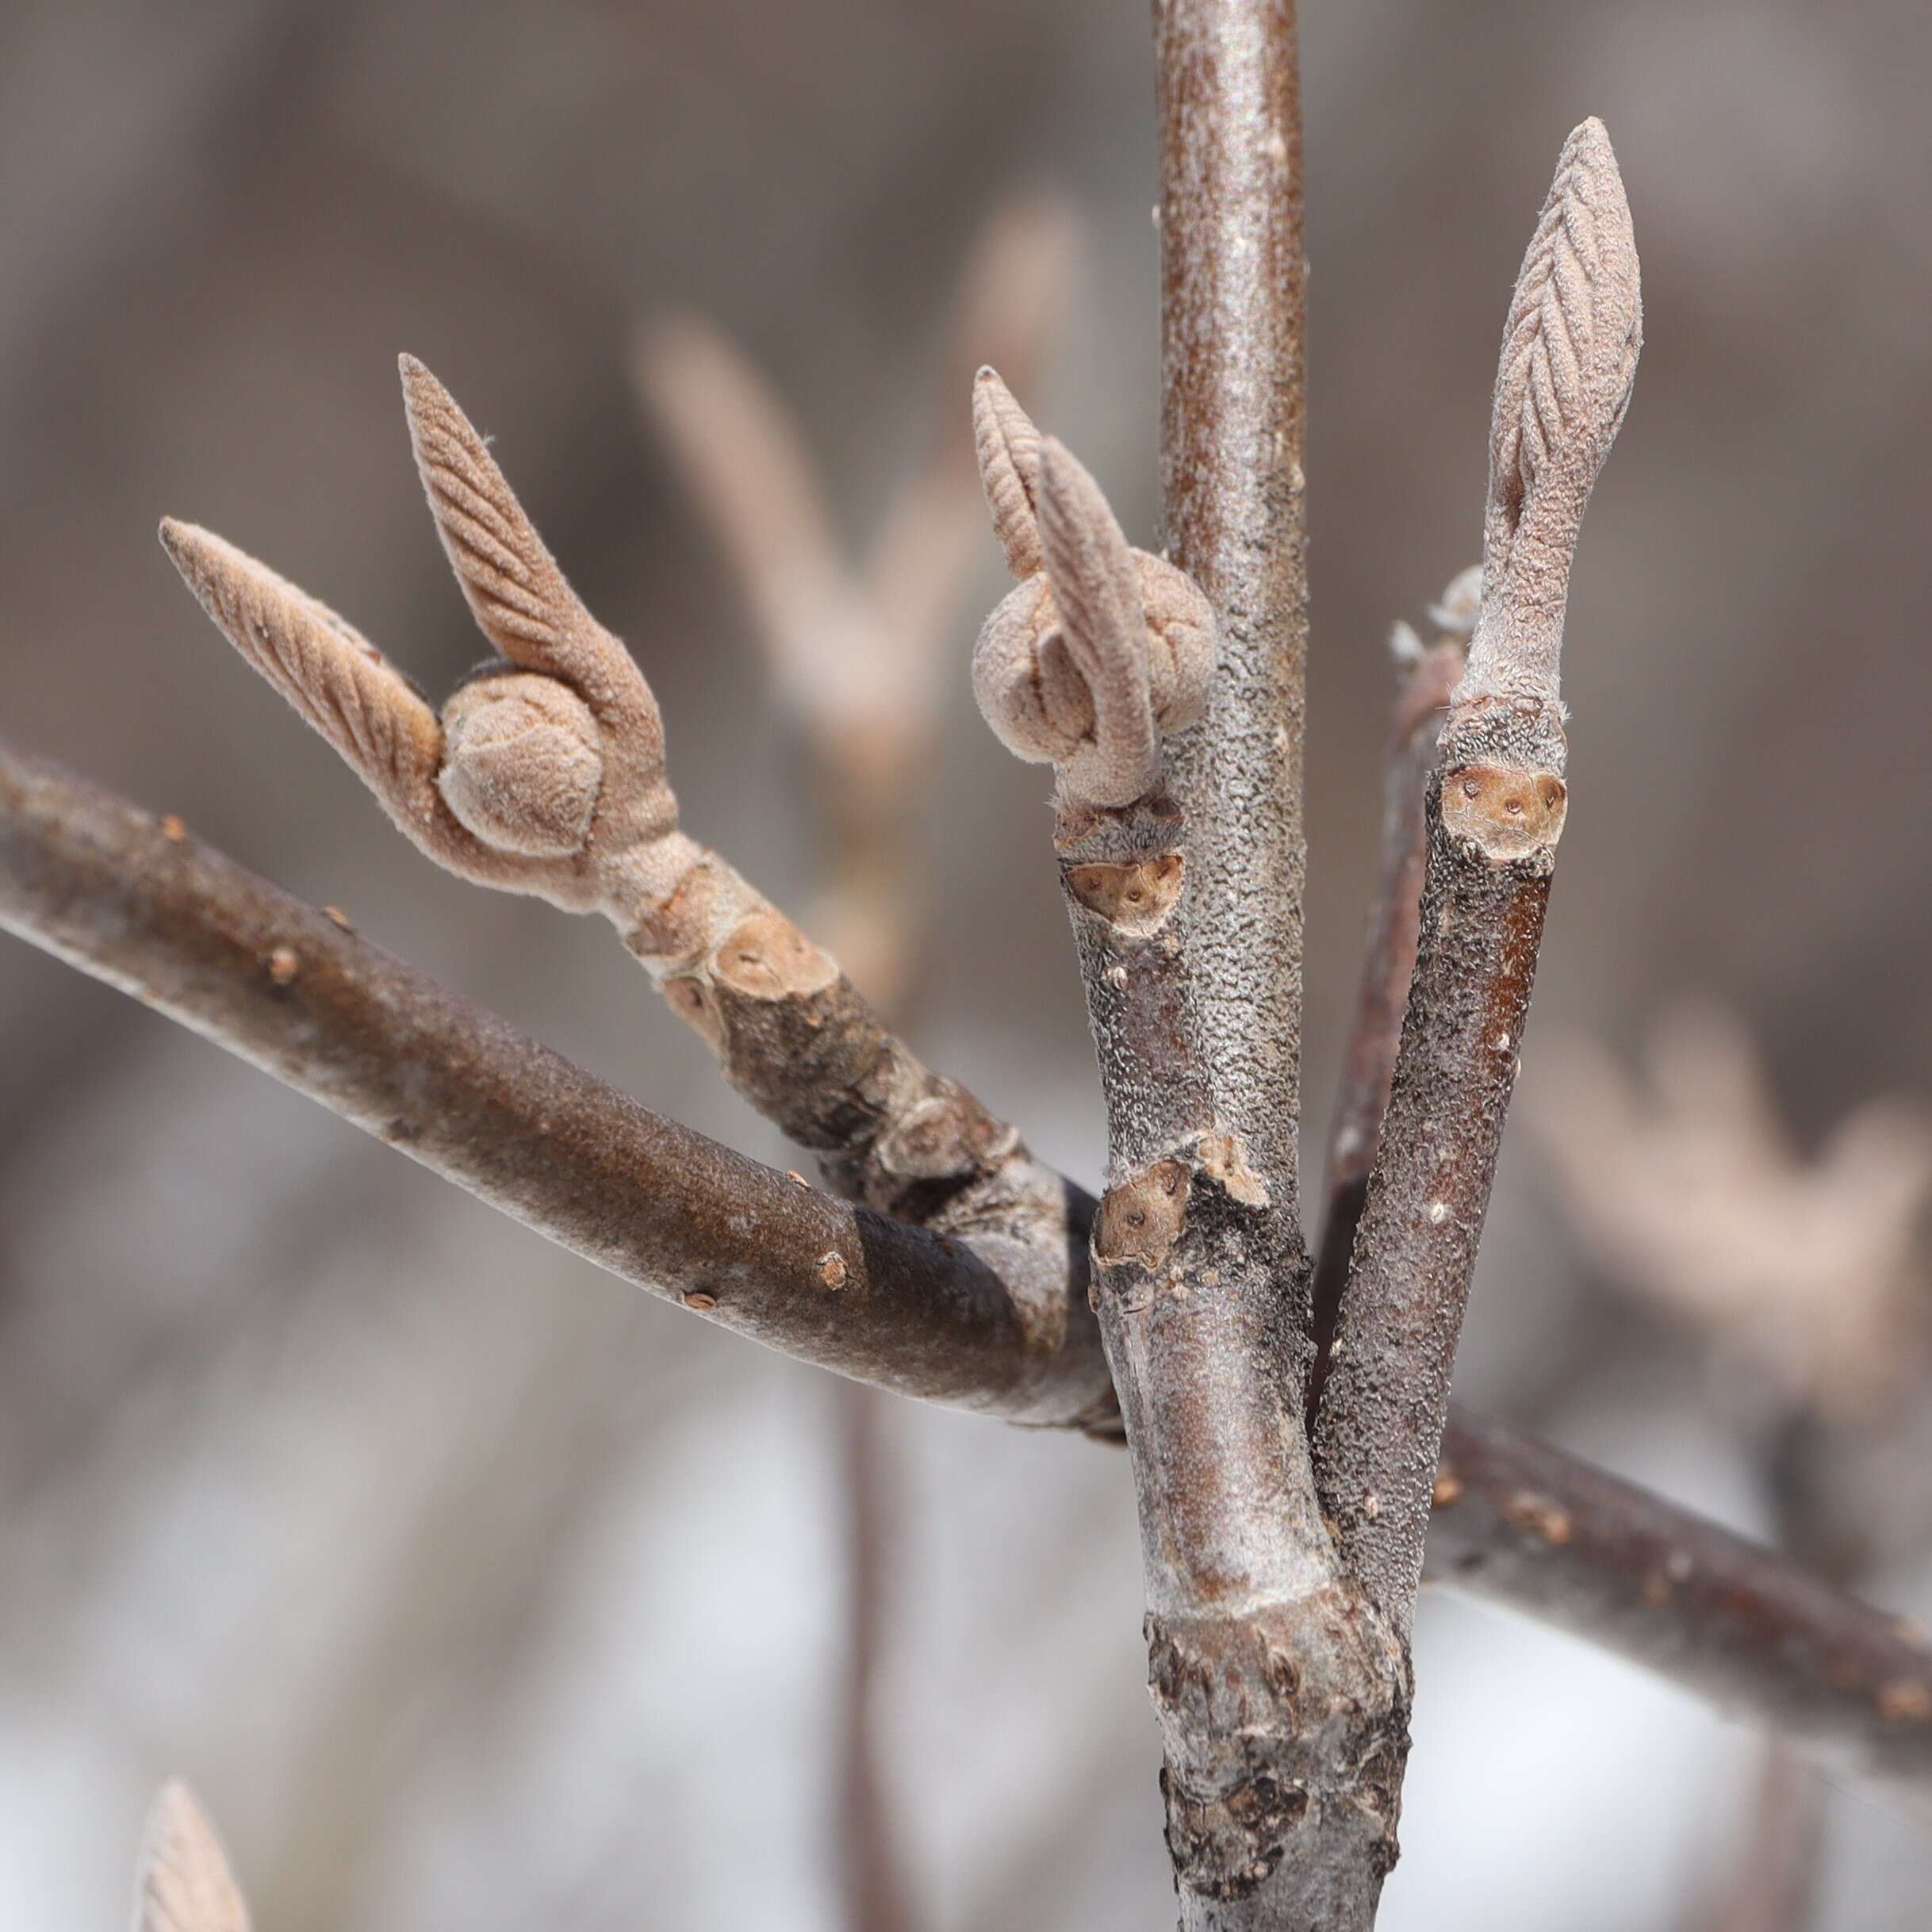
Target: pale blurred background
[{"x": 471, "y": 1588}]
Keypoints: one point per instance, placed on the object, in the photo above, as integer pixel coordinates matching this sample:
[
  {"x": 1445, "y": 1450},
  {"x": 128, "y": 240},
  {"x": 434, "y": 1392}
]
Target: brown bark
[
  {"x": 1525, "y": 1526},
  {"x": 1386, "y": 1396},
  {"x": 1495, "y": 810},
  {"x": 1521, "y": 1524}
]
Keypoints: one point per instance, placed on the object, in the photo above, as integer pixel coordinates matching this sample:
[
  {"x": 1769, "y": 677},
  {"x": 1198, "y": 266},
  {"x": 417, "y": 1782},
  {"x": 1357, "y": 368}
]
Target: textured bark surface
[
  {"x": 1282, "y": 1697},
  {"x": 1382, "y": 998},
  {"x": 1496, "y": 810},
  {"x": 1233, "y": 392}
]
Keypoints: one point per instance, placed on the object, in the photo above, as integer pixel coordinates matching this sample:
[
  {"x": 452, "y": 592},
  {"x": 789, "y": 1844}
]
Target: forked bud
[{"x": 1102, "y": 648}]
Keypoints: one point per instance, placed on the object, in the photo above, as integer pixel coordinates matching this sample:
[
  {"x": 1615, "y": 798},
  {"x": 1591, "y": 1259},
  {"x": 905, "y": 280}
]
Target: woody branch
[{"x": 145, "y": 906}]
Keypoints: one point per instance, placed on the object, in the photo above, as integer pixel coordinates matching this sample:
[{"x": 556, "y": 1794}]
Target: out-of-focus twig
[
  {"x": 1773, "y": 1886},
  {"x": 856, "y": 649},
  {"x": 1528, "y": 1527},
  {"x": 1688, "y": 1193}
]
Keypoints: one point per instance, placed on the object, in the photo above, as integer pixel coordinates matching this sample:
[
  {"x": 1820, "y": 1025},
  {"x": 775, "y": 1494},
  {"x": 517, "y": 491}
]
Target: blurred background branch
[{"x": 859, "y": 654}]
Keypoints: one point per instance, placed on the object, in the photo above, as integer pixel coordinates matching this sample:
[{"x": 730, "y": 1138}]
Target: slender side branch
[
  {"x": 1495, "y": 811},
  {"x": 999, "y": 1326},
  {"x": 148, "y": 909},
  {"x": 1523, "y": 1525},
  {"x": 1518, "y": 1523}
]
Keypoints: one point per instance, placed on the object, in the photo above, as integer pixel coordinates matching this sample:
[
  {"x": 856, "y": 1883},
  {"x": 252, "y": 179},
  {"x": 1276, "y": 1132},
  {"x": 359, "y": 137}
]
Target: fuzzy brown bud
[
  {"x": 522, "y": 764},
  {"x": 1101, "y": 650}
]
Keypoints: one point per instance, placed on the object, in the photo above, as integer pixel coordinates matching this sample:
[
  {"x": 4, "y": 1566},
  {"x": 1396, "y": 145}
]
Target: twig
[
  {"x": 546, "y": 775},
  {"x": 1496, "y": 810},
  {"x": 145, "y": 906},
  {"x": 1279, "y": 1694},
  {"x": 1773, "y": 1883},
  {"x": 1000, "y": 1325},
  {"x": 1527, "y": 1526},
  {"x": 1100, "y": 654},
  {"x": 877, "y": 1896}
]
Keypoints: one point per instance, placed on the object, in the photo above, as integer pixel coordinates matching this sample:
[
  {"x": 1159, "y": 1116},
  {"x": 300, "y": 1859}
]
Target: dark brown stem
[
  {"x": 1496, "y": 810},
  {"x": 1524, "y": 1525},
  {"x": 998, "y": 1324},
  {"x": 1493, "y": 813}
]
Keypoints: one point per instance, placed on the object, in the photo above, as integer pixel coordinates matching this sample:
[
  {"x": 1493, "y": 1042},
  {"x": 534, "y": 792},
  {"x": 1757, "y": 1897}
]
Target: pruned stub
[{"x": 1508, "y": 812}]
